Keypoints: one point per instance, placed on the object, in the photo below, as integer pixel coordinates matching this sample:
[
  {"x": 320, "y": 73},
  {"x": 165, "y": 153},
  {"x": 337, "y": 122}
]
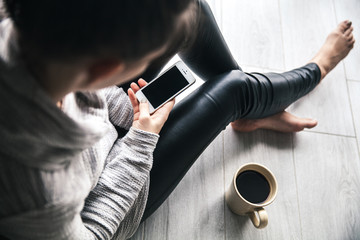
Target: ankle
[{"x": 323, "y": 69}]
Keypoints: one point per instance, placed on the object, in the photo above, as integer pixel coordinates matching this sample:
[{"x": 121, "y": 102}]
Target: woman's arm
[
  {"x": 120, "y": 183},
  {"x": 124, "y": 177},
  {"x": 121, "y": 113}
]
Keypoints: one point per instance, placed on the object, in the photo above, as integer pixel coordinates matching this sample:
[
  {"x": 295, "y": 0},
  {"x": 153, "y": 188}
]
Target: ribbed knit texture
[{"x": 64, "y": 174}]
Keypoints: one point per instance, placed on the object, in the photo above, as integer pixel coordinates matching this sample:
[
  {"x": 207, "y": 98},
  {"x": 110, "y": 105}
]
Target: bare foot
[
  {"x": 281, "y": 122},
  {"x": 336, "y": 47}
]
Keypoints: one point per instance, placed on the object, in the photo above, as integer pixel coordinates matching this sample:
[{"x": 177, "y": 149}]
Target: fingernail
[{"x": 143, "y": 101}]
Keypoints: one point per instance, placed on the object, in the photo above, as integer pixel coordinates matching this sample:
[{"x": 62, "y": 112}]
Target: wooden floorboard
[
  {"x": 305, "y": 26},
  {"x": 354, "y": 90},
  {"x": 328, "y": 181},
  {"x": 253, "y": 32}
]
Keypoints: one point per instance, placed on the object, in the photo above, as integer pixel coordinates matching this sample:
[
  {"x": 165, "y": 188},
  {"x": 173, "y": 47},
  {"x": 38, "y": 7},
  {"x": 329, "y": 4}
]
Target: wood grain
[
  {"x": 354, "y": 90},
  {"x": 305, "y": 26},
  {"x": 328, "y": 180},
  {"x": 253, "y": 32}
]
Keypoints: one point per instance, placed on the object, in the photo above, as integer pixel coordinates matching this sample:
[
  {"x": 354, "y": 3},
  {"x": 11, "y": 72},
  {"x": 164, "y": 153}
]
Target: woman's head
[
  {"x": 69, "y": 29},
  {"x": 72, "y": 45}
]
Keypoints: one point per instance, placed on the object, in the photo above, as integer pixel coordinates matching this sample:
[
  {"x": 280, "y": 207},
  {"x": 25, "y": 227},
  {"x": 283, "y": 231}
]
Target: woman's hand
[{"x": 142, "y": 118}]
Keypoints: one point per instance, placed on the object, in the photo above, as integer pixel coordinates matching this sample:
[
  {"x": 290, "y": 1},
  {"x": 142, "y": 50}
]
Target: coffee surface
[{"x": 253, "y": 186}]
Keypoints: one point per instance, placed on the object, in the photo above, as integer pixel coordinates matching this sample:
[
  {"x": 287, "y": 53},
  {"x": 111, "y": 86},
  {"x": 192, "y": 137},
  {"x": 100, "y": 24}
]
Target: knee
[
  {"x": 232, "y": 83},
  {"x": 204, "y": 10},
  {"x": 231, "y": 90},
  {"x": 203, "y": 4},
  {"x": 236, "y": 79}
]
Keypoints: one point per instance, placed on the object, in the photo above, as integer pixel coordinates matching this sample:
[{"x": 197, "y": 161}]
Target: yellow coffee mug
[{"x": 255, "y": 177}]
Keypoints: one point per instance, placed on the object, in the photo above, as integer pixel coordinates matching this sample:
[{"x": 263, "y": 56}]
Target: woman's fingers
[
  {"x": 133, "y": 100},
  {"x": 144, "y": 109},
  {"x": 134, "y": 87},
  {"x": 142, "y": 118},
  {"x": 142, "y": 82}
]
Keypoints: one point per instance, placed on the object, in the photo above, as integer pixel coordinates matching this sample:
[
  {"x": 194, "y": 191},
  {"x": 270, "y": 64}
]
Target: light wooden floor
[{"x": 318, "y": 170}]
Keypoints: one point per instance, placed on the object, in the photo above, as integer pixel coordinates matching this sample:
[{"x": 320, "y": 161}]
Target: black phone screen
[{"x": 164, "y": 87}]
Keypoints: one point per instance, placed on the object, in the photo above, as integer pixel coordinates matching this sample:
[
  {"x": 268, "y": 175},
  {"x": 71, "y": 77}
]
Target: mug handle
[{"x": 262, "y": 220}]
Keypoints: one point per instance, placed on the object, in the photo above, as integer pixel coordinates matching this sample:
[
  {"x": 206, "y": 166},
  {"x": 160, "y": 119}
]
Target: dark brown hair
[{"x": 128, "y": 29}]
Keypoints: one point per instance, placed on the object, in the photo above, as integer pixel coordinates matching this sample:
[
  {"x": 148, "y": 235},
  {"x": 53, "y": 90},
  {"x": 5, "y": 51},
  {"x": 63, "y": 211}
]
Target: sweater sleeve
[
  {"x": 120, "y": 183},
  {"x": 120, "y": 190},
  {"x": 120, "y": 109}
]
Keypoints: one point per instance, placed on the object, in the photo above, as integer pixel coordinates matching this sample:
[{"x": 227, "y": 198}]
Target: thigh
[{"x": 207, "y": 52}]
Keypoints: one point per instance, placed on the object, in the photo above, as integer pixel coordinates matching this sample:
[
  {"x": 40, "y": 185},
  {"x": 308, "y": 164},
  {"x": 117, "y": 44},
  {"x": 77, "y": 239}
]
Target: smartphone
[{"x": 166, "y": 86}]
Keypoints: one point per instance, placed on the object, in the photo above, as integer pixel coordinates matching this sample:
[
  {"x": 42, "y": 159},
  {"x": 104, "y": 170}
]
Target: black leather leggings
[{"x": 228, "y": 94}]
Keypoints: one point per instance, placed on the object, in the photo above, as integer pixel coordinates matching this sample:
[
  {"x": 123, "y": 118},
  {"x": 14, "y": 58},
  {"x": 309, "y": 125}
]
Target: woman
[{"x": 65, "y": 172}]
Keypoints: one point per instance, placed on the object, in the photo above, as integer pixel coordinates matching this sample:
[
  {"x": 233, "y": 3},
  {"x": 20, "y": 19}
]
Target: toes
[
  {"x": 350, "y": 38},
  {"x": 348, "y": 31},
  {"x": 344, "y": 25},
  {"x": 352, "y": 43},
  {"x": 302, "y": 124},
  {"x": 309, "y": 123}
]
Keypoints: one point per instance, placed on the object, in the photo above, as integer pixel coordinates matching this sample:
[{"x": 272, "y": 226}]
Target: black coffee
[{"x": 253, "y": 186}]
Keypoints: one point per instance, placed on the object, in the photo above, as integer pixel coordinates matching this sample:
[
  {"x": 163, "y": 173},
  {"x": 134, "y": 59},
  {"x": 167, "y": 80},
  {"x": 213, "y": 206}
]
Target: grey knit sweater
[{"x": 64, "y": 173}]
